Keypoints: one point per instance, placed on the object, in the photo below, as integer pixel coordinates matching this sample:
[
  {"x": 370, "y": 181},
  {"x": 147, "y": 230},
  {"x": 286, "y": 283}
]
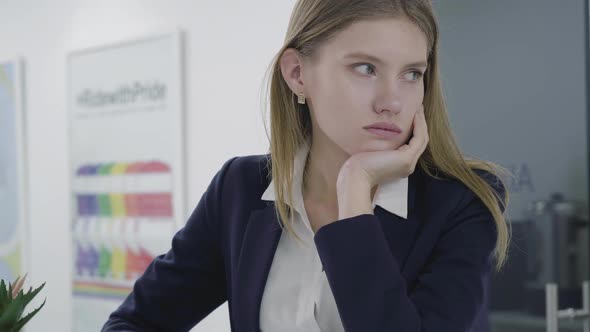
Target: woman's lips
[{"x": 383, "y": 133}]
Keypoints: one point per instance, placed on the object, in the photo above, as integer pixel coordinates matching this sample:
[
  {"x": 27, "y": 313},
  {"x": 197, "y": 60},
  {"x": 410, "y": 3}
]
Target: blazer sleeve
[
  {"x": 372, "y": 295},
  {"x": 180, "y": 288}
]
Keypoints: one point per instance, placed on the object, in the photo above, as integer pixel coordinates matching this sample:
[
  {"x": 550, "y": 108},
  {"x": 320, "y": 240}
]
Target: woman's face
[{"x": 371, "y": 72}]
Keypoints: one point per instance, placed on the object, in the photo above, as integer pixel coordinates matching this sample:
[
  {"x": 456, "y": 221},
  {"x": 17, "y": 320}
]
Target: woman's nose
[
  {"x": 388, "y": 98},
  {"x": 390, "y": 103}
]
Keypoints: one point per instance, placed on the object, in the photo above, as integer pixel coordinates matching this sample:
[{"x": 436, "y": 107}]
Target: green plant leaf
[
  {"x": 12, "y": 314},
  {"x": 11, "y": 309},
  {"x": 30, "y": 295},
  {"x": 25, "y": 319},
  {"x": 17, "y": 285},
  {"x": 9, "y": 292},
  {"x": 3, "y": 297}
]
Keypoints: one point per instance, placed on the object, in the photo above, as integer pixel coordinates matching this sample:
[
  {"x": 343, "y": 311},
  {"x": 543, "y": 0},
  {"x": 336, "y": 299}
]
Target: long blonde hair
[{"x": 313, "y": 22}]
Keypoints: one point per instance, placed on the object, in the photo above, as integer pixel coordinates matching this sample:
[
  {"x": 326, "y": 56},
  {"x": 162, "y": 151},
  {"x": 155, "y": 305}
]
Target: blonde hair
[{"x": 312, "y": 23}]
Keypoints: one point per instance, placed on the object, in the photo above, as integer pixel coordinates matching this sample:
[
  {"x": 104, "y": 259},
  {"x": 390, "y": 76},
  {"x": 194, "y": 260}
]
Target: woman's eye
[
  {"x": 416, "y": 75},
  {"x": 365, "y": 68}
]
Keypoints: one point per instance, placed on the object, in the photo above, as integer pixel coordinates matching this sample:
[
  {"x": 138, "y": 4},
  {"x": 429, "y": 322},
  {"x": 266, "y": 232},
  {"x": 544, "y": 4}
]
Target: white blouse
[{"x": 297, "y": 296}]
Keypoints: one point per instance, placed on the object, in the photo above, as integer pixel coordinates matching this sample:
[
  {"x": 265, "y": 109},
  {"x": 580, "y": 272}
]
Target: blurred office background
[
  {"x": 513, "y": 101},
  {"x": 515, "y": 78}
]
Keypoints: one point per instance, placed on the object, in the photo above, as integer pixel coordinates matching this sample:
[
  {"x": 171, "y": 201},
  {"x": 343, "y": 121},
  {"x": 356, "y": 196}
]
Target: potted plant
[{"x": 13, "y": 302}]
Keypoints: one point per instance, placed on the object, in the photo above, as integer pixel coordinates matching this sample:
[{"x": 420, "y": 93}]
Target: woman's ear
[{"x": 291, "y": 64}]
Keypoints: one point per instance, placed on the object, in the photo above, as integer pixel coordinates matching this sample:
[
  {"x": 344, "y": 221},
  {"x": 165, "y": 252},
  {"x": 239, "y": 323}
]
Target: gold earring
[{"x": 301, "y": 98}]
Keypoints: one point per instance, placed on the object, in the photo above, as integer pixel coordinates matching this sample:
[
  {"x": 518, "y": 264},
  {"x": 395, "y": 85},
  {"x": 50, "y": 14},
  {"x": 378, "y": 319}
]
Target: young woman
[{"x": 364, "y": 216}]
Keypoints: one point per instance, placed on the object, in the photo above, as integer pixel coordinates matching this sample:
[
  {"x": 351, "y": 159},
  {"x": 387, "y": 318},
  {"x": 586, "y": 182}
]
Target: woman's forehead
[{"x": 385, "y": 39}]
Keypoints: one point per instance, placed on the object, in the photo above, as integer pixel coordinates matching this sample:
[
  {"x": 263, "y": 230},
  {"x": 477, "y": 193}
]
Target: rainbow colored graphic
[{"x": 119, "y": 208}]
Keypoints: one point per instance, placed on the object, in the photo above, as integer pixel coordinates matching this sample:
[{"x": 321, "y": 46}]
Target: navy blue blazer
[{"x": 427, "y": 273}]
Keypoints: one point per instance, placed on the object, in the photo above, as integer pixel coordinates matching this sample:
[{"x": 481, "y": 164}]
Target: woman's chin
[{"x": 380, "y": 145}]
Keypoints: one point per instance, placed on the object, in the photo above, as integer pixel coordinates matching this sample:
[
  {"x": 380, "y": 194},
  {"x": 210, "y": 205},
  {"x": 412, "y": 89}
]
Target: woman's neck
[{"x": 321, "y": 171}]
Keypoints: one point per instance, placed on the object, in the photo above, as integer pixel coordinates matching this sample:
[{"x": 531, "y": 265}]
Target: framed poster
[
  {"x": 13, "y": 224},
  {"x": 126, "y": 158}
]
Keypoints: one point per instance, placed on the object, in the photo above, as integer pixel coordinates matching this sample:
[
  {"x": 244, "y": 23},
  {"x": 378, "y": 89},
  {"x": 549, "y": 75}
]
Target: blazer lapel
[
  {"x": 258, "y": 247},
  {"x": 262, "y": 236}
]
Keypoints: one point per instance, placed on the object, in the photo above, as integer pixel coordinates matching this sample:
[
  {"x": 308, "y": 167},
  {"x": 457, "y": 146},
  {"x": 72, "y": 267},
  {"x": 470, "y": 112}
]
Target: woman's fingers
[
  {"x": 417, "y": 145},
  {"x": 419, "y": 140},
  {"x": 403, "y": 148}
]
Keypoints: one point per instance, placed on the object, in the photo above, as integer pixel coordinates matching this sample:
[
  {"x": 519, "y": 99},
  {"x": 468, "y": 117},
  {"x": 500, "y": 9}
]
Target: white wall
[{"x": 228, "y": 46}]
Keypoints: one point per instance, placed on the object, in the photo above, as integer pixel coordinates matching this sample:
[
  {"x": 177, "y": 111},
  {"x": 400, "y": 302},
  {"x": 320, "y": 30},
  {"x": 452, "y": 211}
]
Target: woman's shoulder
[
  {"x": 248, "y": 172},
  {"x": 452, "y": 191},
  {"x": 441, "y": 181},
  {"x": 254, "y": 167}
]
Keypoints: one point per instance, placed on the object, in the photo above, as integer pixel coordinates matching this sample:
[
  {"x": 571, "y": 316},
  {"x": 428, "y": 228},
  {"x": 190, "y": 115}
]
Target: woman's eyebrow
[
  {"x": 417, "y": 64},
  {"x": 360, "y": 55}
]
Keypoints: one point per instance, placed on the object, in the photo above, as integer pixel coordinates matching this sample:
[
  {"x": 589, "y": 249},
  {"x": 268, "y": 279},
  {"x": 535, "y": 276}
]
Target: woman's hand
[
  {"x": 365, "y": 170},
  {"x": 382, "y": 166}
]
